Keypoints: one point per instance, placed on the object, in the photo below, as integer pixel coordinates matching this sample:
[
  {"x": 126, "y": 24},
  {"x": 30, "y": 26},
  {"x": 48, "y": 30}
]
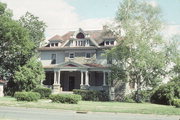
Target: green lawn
[{"x": 117, "y": 107}]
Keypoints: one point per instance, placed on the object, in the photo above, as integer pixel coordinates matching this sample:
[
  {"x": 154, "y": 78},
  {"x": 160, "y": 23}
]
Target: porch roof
[{"x": 71, "y": 65}]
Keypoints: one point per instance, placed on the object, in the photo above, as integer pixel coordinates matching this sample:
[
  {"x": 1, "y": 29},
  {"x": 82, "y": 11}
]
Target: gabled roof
[
  {"x": 71, "y": 64},
  {"x": 97, "y": 35},
  {"x": 56, "y": 38}
]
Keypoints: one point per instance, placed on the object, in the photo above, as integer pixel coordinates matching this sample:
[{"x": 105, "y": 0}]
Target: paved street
[{"x": 14, "y": 113}]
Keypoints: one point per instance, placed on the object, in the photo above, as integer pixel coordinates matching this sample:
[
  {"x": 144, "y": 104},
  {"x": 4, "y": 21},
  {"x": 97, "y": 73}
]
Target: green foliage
[
  {"x": 35, "y": 27},
  {"x": 166, "y": 93},
  {"x": 129, "y": 98},
  {"x": 139, "y": 56},
  {"x": 2, "y": 8},
  {"x": 66, "y": 98},
  {"x": 44, "y": 92},
  {"x": 27, "y": 96},
  {"x": 16, "y": 47},
  {"x": 176, "y": 103},
  {"x": 145, "y": 96},
  {"x": 29, "y": 76},
  {"x": 92, "y": 95}
]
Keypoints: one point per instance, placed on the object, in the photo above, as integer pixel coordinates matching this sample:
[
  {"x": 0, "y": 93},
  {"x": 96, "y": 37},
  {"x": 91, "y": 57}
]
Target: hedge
[
  {"x": 66, "y": 98},
  {"x": 92, "y": 95},
  {"x": 27, "y": 96},
  {"x": 176, "y": 103},
  {"x": 165, "y": 94},
  {"x": 44, "y": 92}
]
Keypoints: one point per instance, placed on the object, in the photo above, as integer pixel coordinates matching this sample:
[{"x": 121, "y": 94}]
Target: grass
[{"x": 116, "y": 107}]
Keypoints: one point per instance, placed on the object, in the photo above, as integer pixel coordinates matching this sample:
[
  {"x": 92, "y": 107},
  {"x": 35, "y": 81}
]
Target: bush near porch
[
  {"x": 44, "y": 92},
  {"x": 66, "y": 98},
  {"x": 27, "y": 96},
  {"x": 92, "y": 95}
]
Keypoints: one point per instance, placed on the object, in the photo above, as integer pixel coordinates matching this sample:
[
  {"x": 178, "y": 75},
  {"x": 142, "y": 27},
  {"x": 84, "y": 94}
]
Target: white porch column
[
  {"x": 55, "y": 82},
  {"x": 82, "y": 76},
  {"x": 104, "y": 78},
  {"x": 87, "y": 79},
  {"x": 59, "y": 78}
]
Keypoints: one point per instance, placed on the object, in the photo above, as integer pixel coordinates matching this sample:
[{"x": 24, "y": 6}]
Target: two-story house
[{"x": 76, "y": 60}]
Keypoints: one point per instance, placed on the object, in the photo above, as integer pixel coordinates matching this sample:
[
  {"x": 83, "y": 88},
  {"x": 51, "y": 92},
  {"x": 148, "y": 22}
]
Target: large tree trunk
[
  {"x": 138, "y": 98},
  {"x": 138, "y": 95}
]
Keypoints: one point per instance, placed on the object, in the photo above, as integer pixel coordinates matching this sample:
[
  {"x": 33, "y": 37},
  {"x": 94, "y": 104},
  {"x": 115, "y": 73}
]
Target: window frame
[
  {"x": 87, "y": 54},
  {"x": 53, "y": 60},
  {"x": 70, "y": 55}
]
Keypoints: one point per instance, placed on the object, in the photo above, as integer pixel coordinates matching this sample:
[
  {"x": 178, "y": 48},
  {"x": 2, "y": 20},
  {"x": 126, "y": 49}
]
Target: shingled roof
[
  {"x": 97, "y": 35},
  {"x": 56, "y": 38}
]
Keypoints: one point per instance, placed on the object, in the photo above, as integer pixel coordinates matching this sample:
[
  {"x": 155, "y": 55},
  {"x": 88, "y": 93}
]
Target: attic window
[
  {"x": 80, "y": 36},
  {"x": 56, "y": 44},
  {"x": 109, "y": 42}
]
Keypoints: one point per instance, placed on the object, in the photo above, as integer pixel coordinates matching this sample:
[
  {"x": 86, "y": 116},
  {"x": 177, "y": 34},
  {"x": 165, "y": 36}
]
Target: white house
[{"x": 76, "y": 60}]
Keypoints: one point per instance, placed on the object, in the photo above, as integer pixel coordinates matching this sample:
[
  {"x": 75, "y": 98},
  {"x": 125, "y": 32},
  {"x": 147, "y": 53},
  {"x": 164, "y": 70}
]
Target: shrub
[
  {"x": 130, "y": 98},
  {"x": 163, "y": 95},
  {"x": 44, "y": 92},
  {"x": 29, "y": 76},
  {"x": 144, "y": 95},
  {"x": 176, "y": 103},
  {"x": 27, "y": 96},
  {"x": 66, "y": 98},
  {"x": 92, "y": 95}
]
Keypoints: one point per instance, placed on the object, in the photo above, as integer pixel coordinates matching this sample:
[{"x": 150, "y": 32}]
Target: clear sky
[{"x": 64, "y": 15}]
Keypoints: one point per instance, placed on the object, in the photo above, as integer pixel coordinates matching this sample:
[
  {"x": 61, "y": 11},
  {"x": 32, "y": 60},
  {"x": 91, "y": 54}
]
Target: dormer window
[
  {"x": 54, "y": 44},
  {"x": 109, "y": 42},
  {"x": 80, "y": 36},
  {"x": 112, "y": 42}
]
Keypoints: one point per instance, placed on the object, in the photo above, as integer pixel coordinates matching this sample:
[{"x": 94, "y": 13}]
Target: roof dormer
[
  {"x": 80, "y": 36},
  {"x": 55, "y": 41}
]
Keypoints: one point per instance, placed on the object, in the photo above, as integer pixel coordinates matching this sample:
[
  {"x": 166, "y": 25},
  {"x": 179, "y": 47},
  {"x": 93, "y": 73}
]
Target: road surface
[{"x": 17, "y": 113}]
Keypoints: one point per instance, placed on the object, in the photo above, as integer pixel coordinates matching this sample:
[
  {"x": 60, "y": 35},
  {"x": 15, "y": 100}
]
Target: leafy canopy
[
  {"x": 139, "y": 55},
  {"x": 35, "y": 27},
  {"x": 30, "y": 75},
  {"x": 15, "y": 46}
]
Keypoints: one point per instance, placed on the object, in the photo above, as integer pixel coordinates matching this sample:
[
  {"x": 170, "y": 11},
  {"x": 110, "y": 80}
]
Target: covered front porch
[{"x": 74, "y": 76}]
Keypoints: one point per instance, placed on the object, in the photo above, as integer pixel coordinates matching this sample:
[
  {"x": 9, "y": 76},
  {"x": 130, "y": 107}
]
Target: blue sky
[
  {"x": 108, "y": 8},
  {"x": 62, "y": 16}
]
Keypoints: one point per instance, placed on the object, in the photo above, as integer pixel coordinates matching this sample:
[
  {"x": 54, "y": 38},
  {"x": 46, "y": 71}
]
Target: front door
[{"x": 71, "y": 83}]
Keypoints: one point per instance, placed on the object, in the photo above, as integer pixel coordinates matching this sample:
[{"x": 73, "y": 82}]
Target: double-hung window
[
  {"x": 53, "y": 59},
  {"x": 71, "y": 55},
  {"x": 88, "y": 55}
]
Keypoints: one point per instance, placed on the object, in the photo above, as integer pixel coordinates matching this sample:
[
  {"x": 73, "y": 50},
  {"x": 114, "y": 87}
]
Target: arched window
[{"x": 80, "y": 36}]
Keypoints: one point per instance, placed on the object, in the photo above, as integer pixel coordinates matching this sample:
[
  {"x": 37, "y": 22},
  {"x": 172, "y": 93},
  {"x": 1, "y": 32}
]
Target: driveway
[{"x": 16, "y": 113}]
